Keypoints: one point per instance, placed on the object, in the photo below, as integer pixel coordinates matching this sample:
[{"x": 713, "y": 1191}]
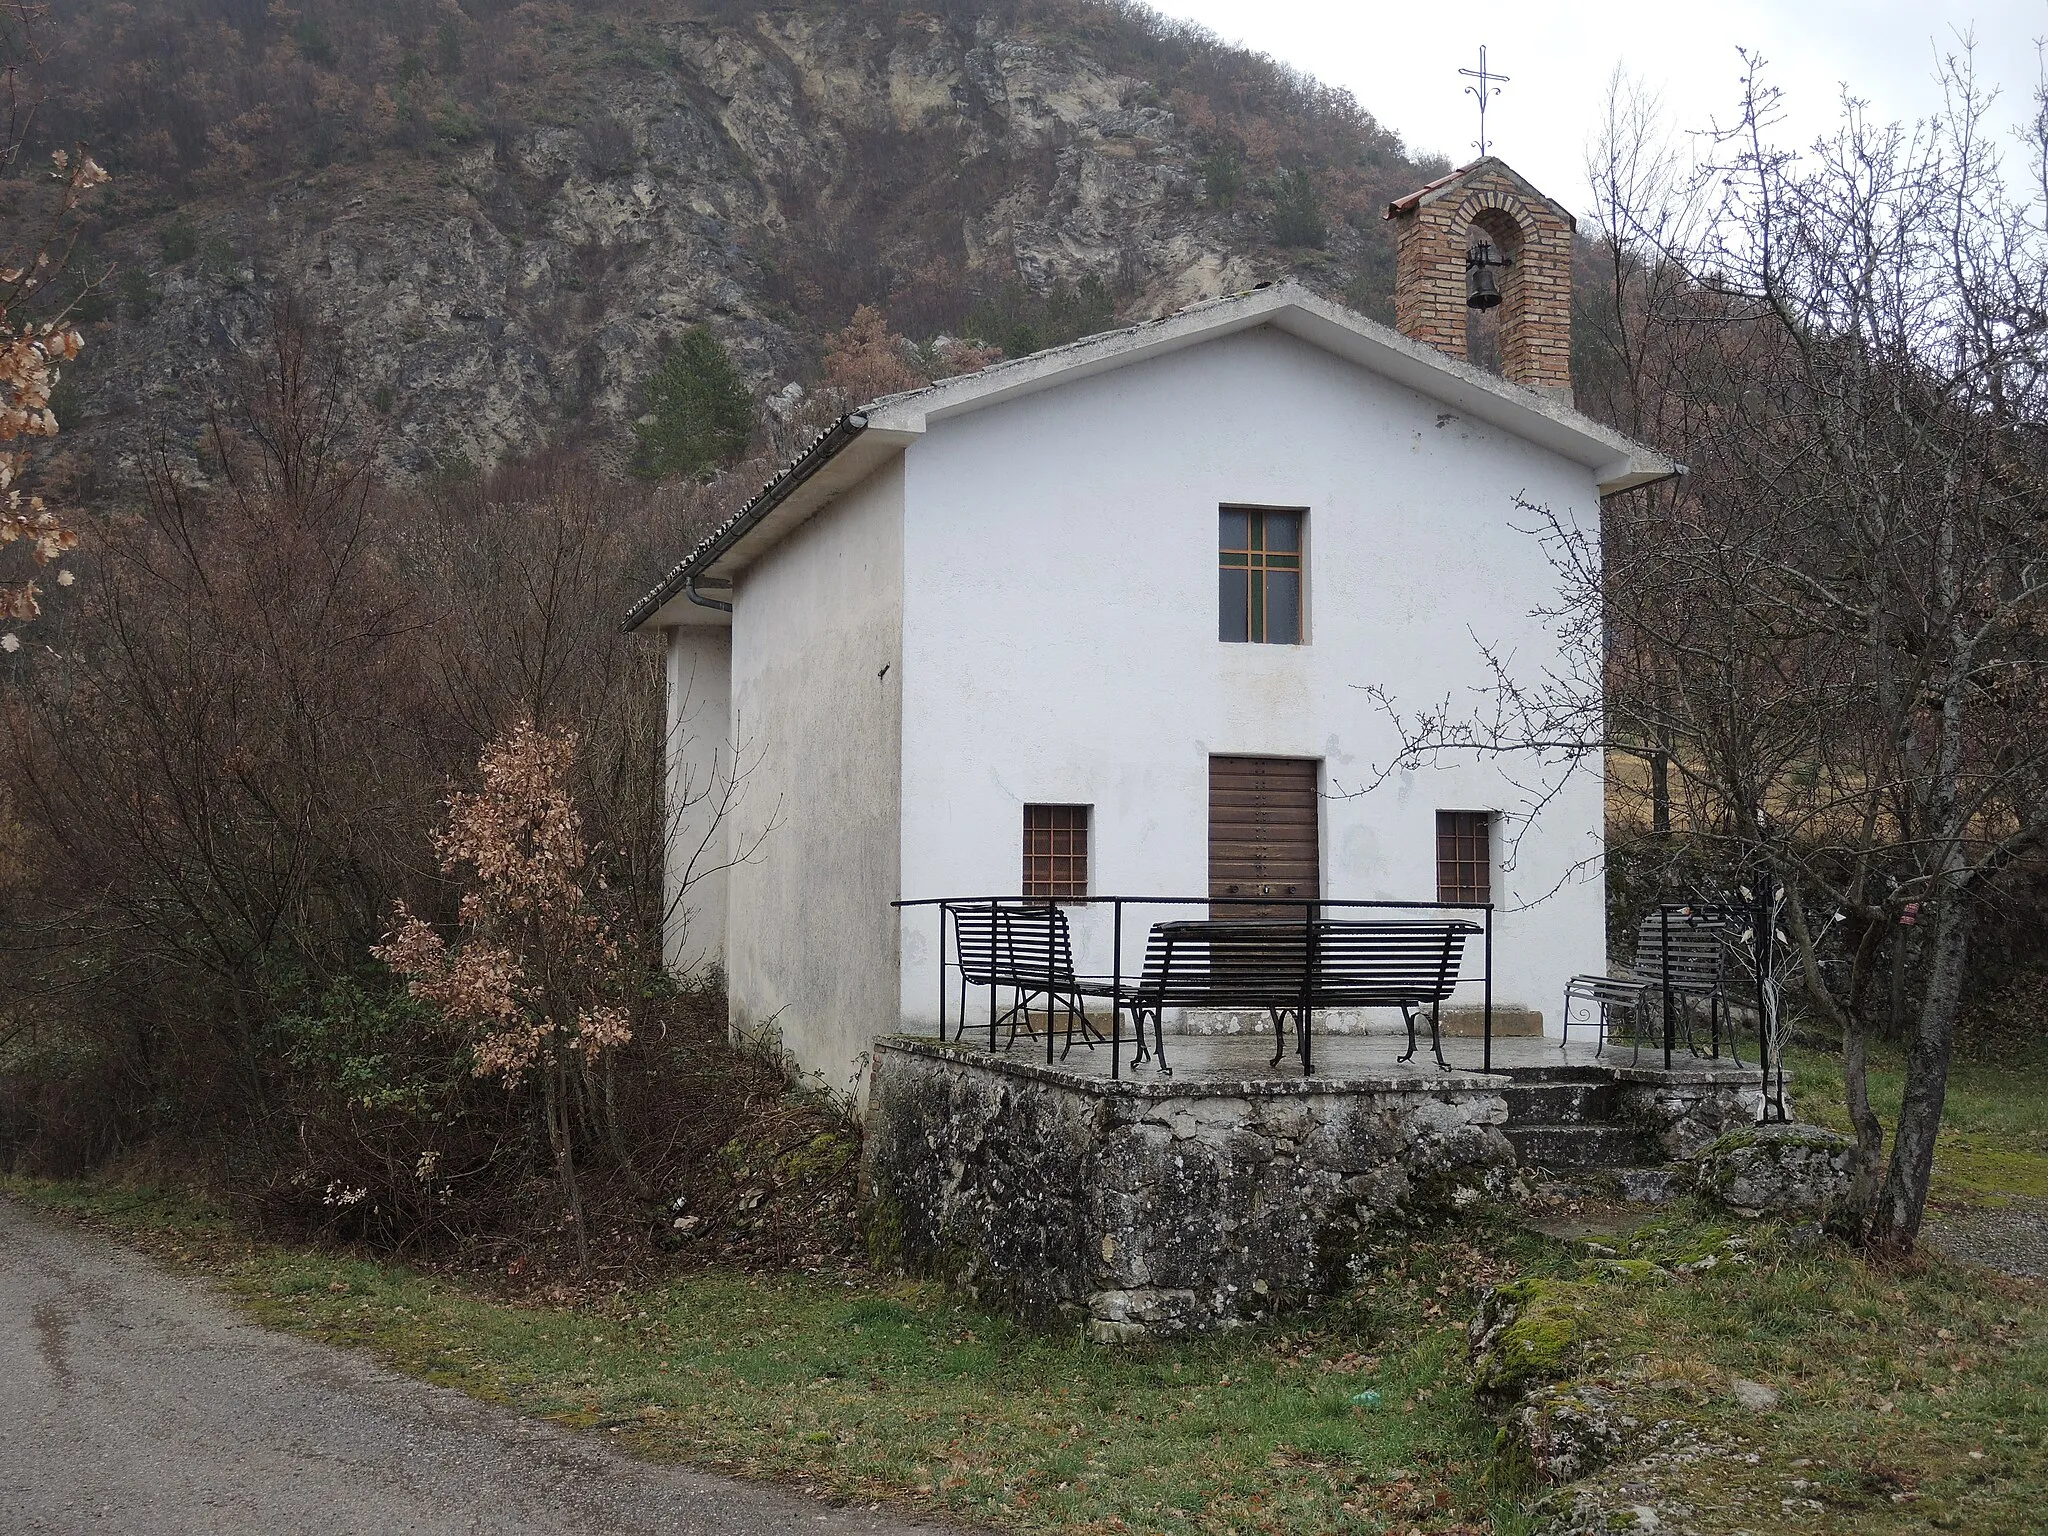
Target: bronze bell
[{"x": 1481, "y": 292}]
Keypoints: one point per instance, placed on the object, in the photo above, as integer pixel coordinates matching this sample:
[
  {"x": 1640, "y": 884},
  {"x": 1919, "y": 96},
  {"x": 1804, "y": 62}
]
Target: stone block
[
  {"x": 1565, "y": 1431},
  {"x": 1776, "y": 1170},
  {"x": 1681, "y": 1112}
]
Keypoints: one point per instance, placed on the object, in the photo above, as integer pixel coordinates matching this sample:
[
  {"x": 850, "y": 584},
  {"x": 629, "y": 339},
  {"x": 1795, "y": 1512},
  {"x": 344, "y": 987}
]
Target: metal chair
[{"x": 1684, "y": 948}]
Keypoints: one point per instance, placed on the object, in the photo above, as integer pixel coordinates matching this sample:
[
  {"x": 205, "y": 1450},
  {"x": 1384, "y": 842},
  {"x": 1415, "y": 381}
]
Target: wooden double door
[{"x": 1264, "y": 834}]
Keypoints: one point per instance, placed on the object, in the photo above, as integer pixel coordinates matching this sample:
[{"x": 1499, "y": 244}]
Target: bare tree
[{"x": 1830, "y": 642}]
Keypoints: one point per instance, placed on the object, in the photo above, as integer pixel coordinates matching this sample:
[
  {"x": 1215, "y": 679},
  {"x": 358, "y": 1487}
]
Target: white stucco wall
[
  {"x": 702, "y": 798},
  {"x": 817, "y": 721},
  {"x": 1059, "y": 637}
]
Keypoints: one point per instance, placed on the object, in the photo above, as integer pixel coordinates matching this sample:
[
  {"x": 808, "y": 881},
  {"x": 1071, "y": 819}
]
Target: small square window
[
  {"x": 1259, "y": 576},
  {"x": 1056, "y": 852},
  {"x": 1464, "y": 857}
]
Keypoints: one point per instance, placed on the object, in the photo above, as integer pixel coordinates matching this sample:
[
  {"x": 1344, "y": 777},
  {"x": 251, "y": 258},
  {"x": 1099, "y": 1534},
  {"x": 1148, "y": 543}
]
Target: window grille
[
  {"x": 1055, "y": 852},
  {"x": 1464, "y": 856}
]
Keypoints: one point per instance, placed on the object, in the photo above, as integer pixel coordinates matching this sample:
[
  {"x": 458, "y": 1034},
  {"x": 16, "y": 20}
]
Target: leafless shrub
[{"x": 226, "y": 768}]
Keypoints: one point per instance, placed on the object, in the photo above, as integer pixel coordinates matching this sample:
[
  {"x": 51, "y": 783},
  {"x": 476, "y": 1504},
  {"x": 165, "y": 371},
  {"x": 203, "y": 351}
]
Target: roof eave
[
  {"x": 1634, "y": 473},
  {"x": 820, "y": 472}
]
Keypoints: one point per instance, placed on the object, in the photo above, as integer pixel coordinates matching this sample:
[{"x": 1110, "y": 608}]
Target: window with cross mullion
[{"x": 1259, "y": 571}]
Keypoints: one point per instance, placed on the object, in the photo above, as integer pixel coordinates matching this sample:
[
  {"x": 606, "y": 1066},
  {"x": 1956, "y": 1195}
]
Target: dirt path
[{"x": 133, "y": 1401}]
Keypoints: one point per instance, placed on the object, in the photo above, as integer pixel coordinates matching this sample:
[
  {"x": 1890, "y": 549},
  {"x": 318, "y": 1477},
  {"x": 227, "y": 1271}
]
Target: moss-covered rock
[
  {"x": 1529, "y": 1330},
  {"x": 1775, "y": 1170},
  {"x": 1628, "y": 1271},
  {"x": 1561, "y": 1432}
]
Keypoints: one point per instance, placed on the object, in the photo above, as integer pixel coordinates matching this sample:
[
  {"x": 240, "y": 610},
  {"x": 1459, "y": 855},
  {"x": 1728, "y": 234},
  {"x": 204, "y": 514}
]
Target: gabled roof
[
  {"x": 1430, "y": 191},
  {"x": 860, "y": 442}
]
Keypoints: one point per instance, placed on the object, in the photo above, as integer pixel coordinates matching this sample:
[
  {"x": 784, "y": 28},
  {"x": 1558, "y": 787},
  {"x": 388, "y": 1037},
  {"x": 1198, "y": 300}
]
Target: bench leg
[
  {"x": 1279, "y": 1039},
  {"x": 1138, "y": 1012},
  {"x": 1076, "y": 1007},
  {"x": 1436, "y": 1043},
  {"x": 1408, "y": 1017},
  {"x": 1019, "y": 1010}
]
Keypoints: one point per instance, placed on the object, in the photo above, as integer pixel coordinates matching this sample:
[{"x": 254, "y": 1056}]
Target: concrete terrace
[
  {"x": 1236, "y": 1063},
  {"x": 1235, "y": 1190}
]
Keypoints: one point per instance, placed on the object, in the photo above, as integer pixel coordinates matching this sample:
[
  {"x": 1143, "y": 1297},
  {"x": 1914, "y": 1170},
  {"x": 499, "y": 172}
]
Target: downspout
[{"x": 690, "y": 591}]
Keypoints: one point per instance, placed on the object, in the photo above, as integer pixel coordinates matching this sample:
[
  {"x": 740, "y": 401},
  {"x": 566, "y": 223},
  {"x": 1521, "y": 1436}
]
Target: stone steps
[
  {"x": 1562, "y": 1072},
  {"x": 1578, "y": 1148},
  {"x": 1565, "y": 1118},
  {"x": 1578, "y": 1102}
]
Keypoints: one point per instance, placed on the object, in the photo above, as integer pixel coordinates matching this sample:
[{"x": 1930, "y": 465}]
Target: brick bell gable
[{"x": 1436, "y": 224}]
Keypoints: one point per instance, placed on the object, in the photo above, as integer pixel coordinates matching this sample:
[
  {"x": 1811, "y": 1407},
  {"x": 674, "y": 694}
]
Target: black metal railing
[{"x": 992, "y": 949}]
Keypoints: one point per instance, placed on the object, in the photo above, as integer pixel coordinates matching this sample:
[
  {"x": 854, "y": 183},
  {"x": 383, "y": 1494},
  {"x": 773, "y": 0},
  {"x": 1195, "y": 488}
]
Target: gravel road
[
  {"x": 134, "y": 1401},
  {"x": 2012, "y": 1237}
]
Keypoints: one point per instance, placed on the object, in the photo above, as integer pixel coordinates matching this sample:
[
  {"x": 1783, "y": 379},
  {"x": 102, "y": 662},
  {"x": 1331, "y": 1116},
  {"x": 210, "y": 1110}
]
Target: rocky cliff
[{"x": 513, "y": 217}]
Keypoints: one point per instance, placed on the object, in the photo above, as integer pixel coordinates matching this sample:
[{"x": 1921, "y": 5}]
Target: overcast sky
[{"x": 1401, "y": 61}]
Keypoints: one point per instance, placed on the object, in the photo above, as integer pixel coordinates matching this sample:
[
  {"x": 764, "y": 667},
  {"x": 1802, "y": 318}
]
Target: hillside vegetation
[{"x": 515, "y": 211}]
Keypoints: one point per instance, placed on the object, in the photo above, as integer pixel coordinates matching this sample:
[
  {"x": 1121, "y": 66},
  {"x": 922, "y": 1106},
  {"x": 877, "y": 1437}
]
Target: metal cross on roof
[{"x": 1483, "y": 90}]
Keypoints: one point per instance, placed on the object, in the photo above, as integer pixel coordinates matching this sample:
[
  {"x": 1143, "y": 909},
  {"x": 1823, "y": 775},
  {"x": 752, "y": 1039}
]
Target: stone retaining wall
[
  {"x": 1680, "y": 1112},
  {"x": 1156, "y": 1208}
]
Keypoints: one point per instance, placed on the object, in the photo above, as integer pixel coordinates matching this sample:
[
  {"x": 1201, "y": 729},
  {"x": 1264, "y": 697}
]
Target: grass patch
[
  {"x": 860, "y": 1388},
  {"x": 1911, "y": 1397},
  {"x": 1994, "y": 1123}
]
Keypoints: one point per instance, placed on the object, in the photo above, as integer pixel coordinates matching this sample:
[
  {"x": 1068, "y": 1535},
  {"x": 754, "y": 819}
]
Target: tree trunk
[
  {"x": 557, "y": 1110},
  {"x": 1895, "y": 1017},
  {"x": 1904, "y": 1199},
  {"x": 1867, "y": 1160},
  {"x": 637, "y": 1184},
  {"x": 1866, "y": 1165}
]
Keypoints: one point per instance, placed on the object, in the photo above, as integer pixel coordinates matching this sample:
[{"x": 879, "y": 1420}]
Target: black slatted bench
[
  {"x": 1270, "y": 963},
  {"x": 1026, "y": 948}
]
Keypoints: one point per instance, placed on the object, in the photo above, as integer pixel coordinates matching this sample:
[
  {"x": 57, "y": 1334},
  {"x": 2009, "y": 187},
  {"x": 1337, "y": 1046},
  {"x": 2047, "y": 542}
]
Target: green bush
[
  {"x": 364, "y": 1042},
  {"x": 181, "y": 241},
  {"x": 701, "y": 414},
  {"x": 1297, "y": 211},
  {"x": 448, "y": 50},
  {"x": 219, "y": 259},
  {"x": 1022, "y": 322},
  {"x": 1222, "y": 178},
  {"x": 457, "y": 124},
  {"x": 315, "y": 46},
  {"x": 91, "y": 301}
]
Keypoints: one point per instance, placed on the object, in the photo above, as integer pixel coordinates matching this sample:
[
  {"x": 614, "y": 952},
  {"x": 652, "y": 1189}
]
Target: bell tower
[{"x": 1481, "y": 238}]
